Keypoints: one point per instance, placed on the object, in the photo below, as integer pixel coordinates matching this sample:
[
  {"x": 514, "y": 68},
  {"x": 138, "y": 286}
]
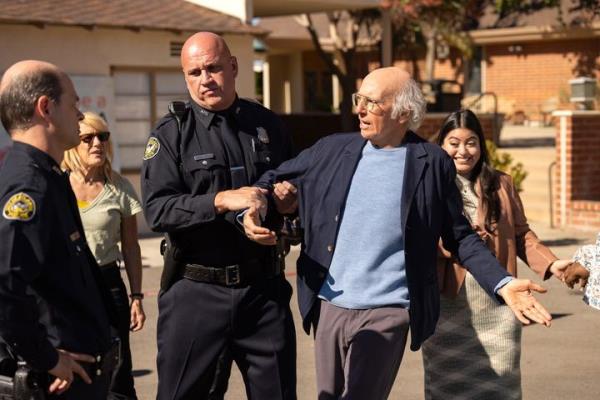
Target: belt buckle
[{"x": 232, "y": 275}]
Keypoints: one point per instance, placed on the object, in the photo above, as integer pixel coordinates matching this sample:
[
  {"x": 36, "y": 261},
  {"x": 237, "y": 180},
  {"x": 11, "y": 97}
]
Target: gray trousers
[{"x": 358, "y": 352}]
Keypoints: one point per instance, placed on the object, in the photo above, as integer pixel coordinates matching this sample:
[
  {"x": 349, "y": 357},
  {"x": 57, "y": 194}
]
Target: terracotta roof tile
[{"x": 177, "y": 15}]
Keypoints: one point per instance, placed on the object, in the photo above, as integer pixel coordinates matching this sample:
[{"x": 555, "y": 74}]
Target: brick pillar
[{"x": 576, "y": 194}]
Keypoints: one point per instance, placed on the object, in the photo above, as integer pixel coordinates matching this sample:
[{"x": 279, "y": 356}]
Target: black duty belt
[{"x": 232, "y": 275}]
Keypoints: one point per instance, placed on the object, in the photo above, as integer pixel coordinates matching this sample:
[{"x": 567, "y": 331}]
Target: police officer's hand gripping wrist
[{"x": 240, "y": 199}]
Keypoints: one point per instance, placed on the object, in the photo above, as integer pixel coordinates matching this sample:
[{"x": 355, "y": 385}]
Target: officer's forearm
[
  {"x": 220, "y": 203},
  {"x": 171, "y": 213}
]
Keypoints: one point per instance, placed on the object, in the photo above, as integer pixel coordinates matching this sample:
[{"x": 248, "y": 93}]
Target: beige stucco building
[
  {"x": 123, "y": 56},
  {"x": 123, "y": 60}
]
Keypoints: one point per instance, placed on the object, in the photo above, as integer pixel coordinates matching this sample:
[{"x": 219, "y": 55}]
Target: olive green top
[{"x": 102, "y": 218}]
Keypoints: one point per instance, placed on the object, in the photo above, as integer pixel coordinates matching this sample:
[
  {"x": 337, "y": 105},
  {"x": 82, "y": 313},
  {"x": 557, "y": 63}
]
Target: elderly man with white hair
[{"x": 373, "y": 207}]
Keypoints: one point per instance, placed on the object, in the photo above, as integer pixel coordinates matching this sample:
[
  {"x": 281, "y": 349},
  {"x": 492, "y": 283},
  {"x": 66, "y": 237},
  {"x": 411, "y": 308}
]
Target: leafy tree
[
  {"x": 428, "y": 23},
  {"x": 344, "y": 29},
  {"x": 436, "y": 22},
  {"x": 446, "y": 22}
]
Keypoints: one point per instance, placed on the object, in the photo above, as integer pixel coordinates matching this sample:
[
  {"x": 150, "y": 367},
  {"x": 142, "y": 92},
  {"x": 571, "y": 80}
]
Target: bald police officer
[
  {"x": 53, "y": 312},
  {"x": 222, "y": 296}
]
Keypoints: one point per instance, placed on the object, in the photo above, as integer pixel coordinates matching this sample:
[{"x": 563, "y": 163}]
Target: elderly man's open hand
[{"x": 517, "y": 295}]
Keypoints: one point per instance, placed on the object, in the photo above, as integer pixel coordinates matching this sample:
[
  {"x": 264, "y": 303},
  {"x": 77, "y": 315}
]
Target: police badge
[
  {"x": 263, "y": 136},
  {"x": 19, "y": 207}
]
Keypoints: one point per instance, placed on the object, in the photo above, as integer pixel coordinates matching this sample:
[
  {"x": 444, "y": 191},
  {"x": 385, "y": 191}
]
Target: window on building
[
  {"x": 141, "y": 99},
  {"x": 473, "y": 74}
]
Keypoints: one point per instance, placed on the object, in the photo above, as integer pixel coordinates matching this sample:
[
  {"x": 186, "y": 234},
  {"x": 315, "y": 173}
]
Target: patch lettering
[
  {"x": 152, "y": 148},
  {"x": 20, "y": 207}
]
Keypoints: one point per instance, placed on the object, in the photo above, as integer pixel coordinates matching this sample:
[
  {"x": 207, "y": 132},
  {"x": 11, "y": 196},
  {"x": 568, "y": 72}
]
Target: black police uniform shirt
[
  {"x": 182, "y": 173},
  {"x": 49, "y": 293}
]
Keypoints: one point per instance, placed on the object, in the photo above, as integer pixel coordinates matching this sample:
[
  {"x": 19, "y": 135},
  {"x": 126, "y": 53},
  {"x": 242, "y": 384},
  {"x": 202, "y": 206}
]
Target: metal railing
[
  {"x": 495, "y": 128},
  {"x": 551, "y": 187}
]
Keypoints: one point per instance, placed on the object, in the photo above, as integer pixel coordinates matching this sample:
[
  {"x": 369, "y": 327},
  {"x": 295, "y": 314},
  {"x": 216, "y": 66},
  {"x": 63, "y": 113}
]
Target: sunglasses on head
[{"x": 88, "y": 138}]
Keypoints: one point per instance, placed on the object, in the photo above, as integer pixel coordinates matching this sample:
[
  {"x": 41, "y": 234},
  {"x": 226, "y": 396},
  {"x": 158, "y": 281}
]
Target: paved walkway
[{"x": 558, "y": 363}]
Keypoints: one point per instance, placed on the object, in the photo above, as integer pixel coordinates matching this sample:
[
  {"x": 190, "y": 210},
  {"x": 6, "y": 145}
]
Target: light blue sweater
[{"x": 368, "y": 266}]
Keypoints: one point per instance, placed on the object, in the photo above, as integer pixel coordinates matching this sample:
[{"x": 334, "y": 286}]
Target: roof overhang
[
  {"x": 271, "y": 8},
  {"x": 533, "y": 33}
]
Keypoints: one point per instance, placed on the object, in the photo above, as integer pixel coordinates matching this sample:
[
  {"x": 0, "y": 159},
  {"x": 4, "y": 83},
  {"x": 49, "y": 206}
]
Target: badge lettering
[{"x": 263, "y": 136}]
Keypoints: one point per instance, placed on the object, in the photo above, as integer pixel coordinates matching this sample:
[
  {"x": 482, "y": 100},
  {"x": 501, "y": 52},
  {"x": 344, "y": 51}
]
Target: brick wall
[
  {"x": 576, "y": 194},
  {"x": 531, "y": 79},
  {"x": 526, "y": 79},
  {"x": 450, "y": 68}
]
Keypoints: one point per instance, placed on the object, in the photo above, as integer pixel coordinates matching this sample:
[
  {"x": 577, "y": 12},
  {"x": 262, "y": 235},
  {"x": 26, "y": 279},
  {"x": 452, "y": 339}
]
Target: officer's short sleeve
[
  {"x": 167, "y": 201},
  {"x": 26, "y": 237}
]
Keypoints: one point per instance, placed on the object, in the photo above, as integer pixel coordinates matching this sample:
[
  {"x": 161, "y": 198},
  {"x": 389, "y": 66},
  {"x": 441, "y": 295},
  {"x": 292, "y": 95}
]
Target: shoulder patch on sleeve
[
  {"x": 152, "y": 148},
  {"x": 19, "y": 207}
]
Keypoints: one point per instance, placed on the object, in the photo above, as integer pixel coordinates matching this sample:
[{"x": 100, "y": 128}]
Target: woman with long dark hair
[{"x": 475, "y": 352}]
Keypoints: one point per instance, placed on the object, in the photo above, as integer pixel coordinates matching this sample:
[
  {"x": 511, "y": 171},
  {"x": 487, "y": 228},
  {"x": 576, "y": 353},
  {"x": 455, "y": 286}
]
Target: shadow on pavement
[
  {"x": 141, "y": 372},
  {"x": 554, "y": 318},
  {"x": 563, "y": 242}
]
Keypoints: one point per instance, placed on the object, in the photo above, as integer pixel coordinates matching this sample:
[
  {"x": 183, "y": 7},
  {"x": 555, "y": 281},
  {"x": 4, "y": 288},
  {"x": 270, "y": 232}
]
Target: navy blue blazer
[{"x": 431, "y": 208}]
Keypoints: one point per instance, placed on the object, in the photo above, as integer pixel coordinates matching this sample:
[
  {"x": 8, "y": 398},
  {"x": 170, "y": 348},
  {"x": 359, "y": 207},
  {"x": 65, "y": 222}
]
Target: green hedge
[{"x": 505, "y": 163}]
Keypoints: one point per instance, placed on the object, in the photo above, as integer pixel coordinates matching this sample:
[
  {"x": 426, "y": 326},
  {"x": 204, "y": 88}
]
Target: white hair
[{"x": 410, "y": 99}]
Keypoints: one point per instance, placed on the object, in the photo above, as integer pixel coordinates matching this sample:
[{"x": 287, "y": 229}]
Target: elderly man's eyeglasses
[
  {"x": 372, "y": 106},
  {"x": 89, "y": 138}
]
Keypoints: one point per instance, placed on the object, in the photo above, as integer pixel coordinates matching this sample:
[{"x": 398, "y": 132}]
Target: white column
[
  {"x": 335, "y": 86},
  {"x": 266, "y": 72},
  {"x": 287, "y": 97}
]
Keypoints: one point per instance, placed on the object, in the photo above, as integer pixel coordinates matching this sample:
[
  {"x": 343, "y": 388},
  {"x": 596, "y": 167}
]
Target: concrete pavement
[{"x": 558, "y": 363}]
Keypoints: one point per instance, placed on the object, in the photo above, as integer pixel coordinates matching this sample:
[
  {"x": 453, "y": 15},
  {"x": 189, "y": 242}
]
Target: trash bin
[{"x": 442, "y": 95}]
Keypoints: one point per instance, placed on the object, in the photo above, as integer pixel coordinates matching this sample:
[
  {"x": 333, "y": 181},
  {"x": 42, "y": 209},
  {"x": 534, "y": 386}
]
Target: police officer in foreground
[
  {"x": 53, "y": 312},
  {"x": 221, "y": 294}
]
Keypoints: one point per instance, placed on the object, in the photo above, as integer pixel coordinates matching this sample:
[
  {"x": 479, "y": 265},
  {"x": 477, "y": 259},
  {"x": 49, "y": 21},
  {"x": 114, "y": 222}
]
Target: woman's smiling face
[{"x": 465, "y": 149}]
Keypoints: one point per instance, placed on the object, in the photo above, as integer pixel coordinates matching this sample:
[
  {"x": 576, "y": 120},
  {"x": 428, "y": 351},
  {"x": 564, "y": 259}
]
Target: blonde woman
[{"x": 108, "y": 204}]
